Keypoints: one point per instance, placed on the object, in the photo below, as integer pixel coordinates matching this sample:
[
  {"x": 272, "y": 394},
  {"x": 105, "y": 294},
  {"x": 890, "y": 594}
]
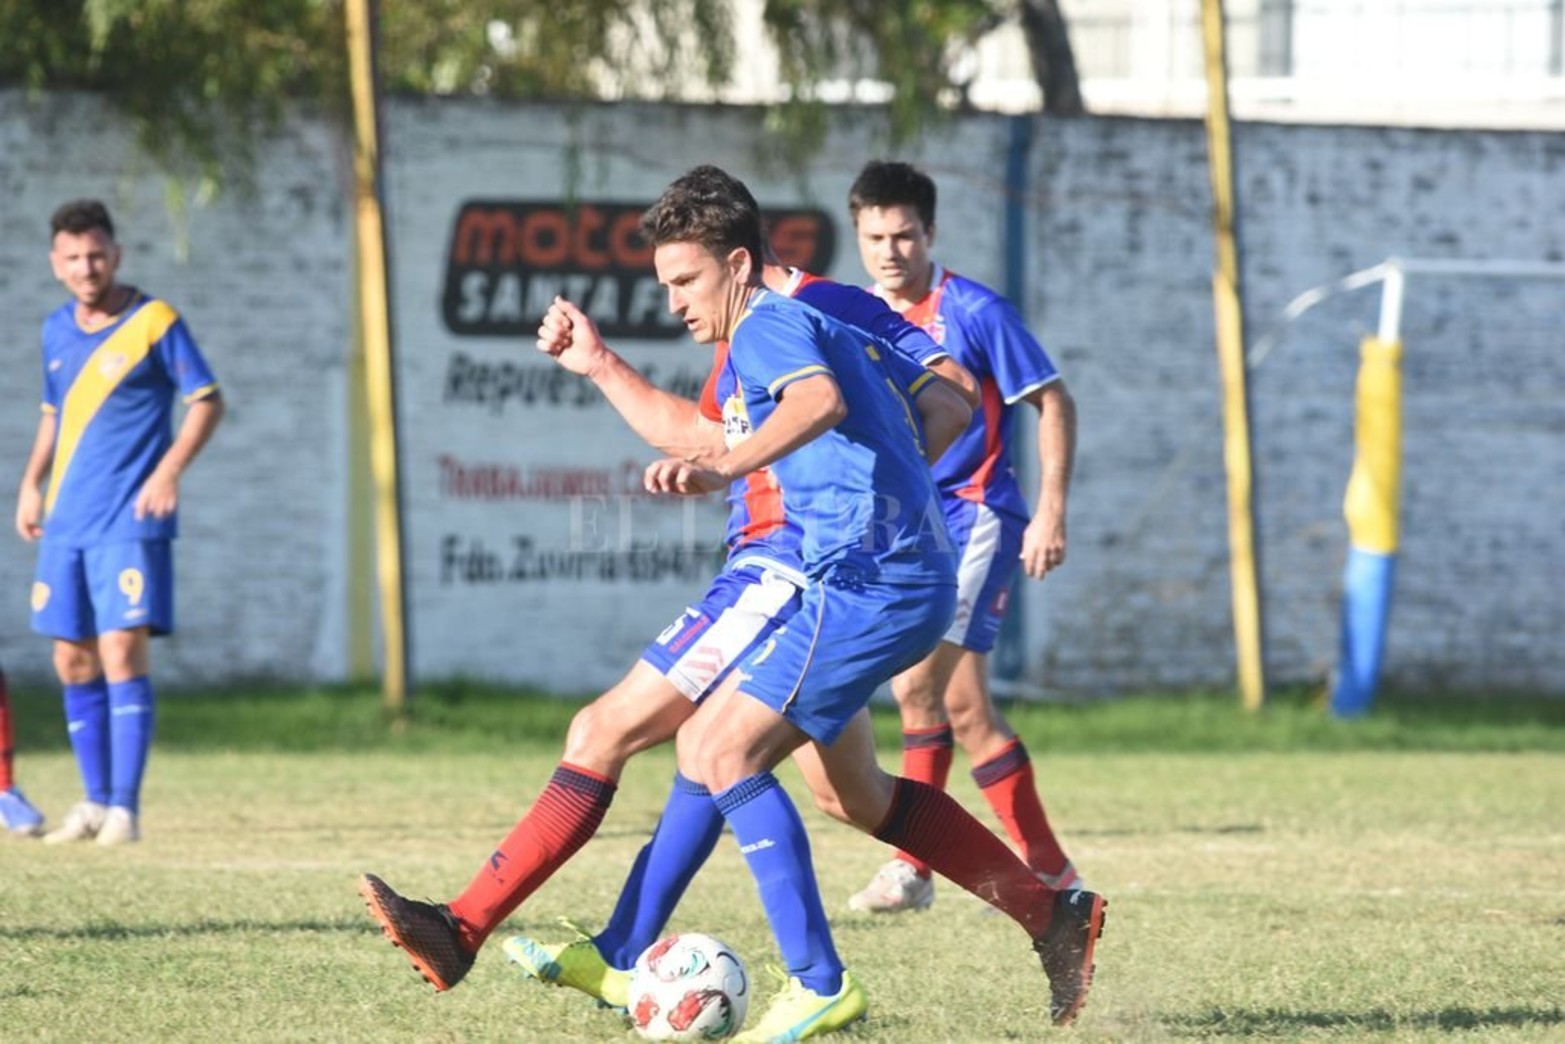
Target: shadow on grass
[
  {"x": 1277, "y": 1023},
  {"x": 103, "y": 932}
]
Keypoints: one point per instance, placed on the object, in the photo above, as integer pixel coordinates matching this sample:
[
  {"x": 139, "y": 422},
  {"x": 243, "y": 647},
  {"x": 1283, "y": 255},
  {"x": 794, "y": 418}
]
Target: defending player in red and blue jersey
[
  {"x": 893, "y": 208},
  {"x": 114, "y": 361}
]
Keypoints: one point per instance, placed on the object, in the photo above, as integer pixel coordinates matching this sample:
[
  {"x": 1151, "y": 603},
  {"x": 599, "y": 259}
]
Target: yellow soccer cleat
[
  {"x": 798, "y": 1013},
  {"x": 576, "y": 964}
]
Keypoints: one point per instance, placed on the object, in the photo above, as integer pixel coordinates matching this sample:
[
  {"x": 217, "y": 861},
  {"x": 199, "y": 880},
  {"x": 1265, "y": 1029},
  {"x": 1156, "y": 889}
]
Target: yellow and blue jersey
[
  {"x": 112, "y": 393},
  {"x": 860, "y": 494},
  {"x": 982, "y": 331}
]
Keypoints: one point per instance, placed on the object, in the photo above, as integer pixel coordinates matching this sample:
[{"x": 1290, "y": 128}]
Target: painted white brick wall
[
  {"x": 263, "y": 283},
  {"x": 1119, "y": 248}
]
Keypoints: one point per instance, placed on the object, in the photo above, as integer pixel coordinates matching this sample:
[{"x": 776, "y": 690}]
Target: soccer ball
[{"x": 688, "y": 986}]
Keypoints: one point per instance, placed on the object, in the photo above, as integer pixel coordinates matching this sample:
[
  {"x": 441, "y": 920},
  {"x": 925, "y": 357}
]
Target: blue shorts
[
  {"x": 990, "y": 548},
  {"x": 821, "y": 668},
  {"x": 81, "y": 592},
  {"x": 745, "y": 604}
]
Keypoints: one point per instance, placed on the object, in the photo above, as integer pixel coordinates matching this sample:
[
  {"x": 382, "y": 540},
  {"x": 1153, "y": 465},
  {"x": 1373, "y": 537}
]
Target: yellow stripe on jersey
[
  {"x": 102, "y": 373},
  {"x": 920, "y": 381},
  {"x": 795, "y": 375},
  {"x": 203, "y": 392}
]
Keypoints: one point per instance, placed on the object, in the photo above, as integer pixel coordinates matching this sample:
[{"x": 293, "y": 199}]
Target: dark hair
[
  {"x": 81, "y": 215},
  {"x": 887, "y": 183},
  {"x": 710, "y": 207}
]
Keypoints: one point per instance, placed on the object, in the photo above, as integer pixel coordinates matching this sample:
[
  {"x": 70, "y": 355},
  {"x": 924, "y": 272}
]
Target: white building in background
[{"x": 1475, "y": 63}]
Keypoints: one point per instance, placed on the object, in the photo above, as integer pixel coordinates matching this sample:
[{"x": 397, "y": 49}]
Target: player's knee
[
  {"x": 829, "y": 803},
  {"x": 916, "y": 692},
  {"x": 75, "y": 665},
  {"x": 595, "y": 737}
]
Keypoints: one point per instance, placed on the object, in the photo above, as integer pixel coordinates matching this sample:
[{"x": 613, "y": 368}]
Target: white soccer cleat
[
  {"x": 894, "y": 888},
  {"x": 82, "y": 823},
  {"x": 120, "y": 826}
]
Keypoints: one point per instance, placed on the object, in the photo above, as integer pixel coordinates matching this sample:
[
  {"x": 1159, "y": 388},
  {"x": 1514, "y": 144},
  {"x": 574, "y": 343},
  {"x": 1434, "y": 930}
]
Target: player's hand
[
  {"x": 29, "y": 513},
  {"x": 1043, "y": 546},
  {"x": 568, "y": 335},
  {"x": 681, "y": 477},
  {"x": 158, "y": 497}
]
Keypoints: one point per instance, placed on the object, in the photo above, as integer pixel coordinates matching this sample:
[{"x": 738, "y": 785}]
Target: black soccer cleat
[
  {"x": 426, "y": 932},
  {"x": 1066, "y": 951}
]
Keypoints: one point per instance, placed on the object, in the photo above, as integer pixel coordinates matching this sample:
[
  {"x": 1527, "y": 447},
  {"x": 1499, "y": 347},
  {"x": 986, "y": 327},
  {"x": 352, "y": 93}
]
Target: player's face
[
  {"x": 706, "y": 291},
  {"x": 894, "y": 246},
  {"x": 86, "y": 262}
]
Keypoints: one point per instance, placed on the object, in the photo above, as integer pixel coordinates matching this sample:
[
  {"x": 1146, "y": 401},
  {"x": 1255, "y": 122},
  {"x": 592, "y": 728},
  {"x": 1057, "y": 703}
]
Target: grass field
[{"x": 1279, "y": 877}]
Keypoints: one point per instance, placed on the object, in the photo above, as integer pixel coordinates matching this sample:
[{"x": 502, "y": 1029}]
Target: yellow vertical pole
[
  {"x": 375, "y": 320},
  {"x": 1237, "y": 457}
]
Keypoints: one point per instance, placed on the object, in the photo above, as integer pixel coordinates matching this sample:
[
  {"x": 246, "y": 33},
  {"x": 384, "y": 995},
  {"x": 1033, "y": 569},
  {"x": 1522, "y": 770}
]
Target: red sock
[
  {"x": 931, "y": 823},
  {"x": 1012, "y": 791},
  {"x": 926, "y": 758},
  {"x": 564, "y": 818},
  {"x": 6, "y": 746}
]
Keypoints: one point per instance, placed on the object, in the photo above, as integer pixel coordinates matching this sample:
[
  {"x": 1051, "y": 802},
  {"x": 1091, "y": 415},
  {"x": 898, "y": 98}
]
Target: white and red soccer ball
[{"x": 688, "y": 986}]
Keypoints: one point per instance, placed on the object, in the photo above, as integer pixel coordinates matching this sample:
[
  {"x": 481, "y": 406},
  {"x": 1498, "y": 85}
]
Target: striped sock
[
  {"x": 926, "y": 758},
  {"x": 1011, "y": 789},
  {"x": 930, "y": 823},
  {"x": 564, "y": 818}
]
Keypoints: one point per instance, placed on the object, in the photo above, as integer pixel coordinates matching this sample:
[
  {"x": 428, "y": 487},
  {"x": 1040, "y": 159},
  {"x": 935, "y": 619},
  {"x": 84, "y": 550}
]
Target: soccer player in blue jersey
[
  {"x": 843, "y": 534},
  {"x": 946, "y": 696},
  {"x": 756, "y": 592},
  {"x": 114, "y": 361}
]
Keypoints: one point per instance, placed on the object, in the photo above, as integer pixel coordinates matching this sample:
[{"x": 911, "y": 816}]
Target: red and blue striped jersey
[{"x": 983, "y": 331}]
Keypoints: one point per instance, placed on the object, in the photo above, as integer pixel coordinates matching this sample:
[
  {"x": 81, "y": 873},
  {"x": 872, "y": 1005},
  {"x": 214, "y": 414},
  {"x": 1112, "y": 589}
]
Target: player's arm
[
  {"x": 29, "y": 497},
  {"x": 669, "y": 423},
  {"x": 858, "y": 307},
  {"x": 945, "y": 414},
  {"x": 808, "y": 408},
  {"x": 959, "y": 377},
  {"x": 1043, "y": 543},
  {"x": 159, "y": 495}
]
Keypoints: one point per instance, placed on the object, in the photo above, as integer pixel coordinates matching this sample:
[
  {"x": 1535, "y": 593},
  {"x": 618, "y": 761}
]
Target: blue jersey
[
  {"x": 983, "y": 332},
  {"x": 757, "y": 524},
  {"x": 112, "y": 391},
  {"x": 857, "y": 307},
  {"x": 861, "y": 493}
]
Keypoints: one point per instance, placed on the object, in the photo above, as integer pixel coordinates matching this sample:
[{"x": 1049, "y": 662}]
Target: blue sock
[
  {"x": 684, "y": 838},
  {"x": 131, "y": 716},
  {"x": 87, "y": 722},
  {"x": 771, "y": 836}
]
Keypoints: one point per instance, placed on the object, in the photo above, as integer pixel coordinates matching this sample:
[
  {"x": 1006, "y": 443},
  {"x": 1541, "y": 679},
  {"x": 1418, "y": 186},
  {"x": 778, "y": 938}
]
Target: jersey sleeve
[
  {"x": 773, "y": 348},
  {"x": 52, "y": 390},
  {"x": 183, "y": 361},
  {"x": 912, "y": 378},
  {"x": 1018, "y": 362},
  {"x": 860, "y": 308}
]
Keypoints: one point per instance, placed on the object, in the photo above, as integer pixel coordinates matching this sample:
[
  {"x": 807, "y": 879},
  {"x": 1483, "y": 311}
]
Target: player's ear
[
  {"x": 929, "y": 234},
  {"x": 741, "y": 265}
]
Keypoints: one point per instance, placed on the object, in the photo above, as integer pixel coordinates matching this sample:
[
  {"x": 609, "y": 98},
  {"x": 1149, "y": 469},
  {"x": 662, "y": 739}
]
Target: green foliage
[
  {"x": 198, "y": 79},
  {"x": 202, "y": 81}
]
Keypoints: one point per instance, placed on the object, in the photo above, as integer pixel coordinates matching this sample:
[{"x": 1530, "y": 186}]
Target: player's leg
[
  {"x": 17, "y": 815},
  {"x": 62, "y": 610},
  {"x": 1003, "y": 771},
  {"x": 733, "y": 743},
  {"x": 1064, "y": 927},
  {"x": 744, "y": 606},
  {"x": 442, "y": 939},
  {"x": 904, "y": 882},
  {"x": 132, "y": 585}
]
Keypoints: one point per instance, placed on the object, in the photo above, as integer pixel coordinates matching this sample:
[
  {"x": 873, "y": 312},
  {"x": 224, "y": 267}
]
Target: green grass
[{"x": 1279, "y": 876}]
